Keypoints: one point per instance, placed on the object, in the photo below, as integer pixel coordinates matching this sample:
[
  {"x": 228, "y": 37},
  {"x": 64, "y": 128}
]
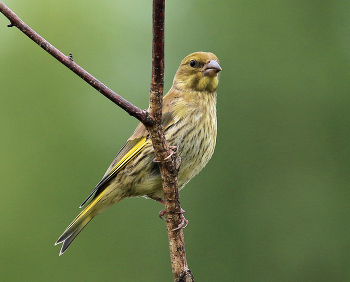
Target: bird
[{"x": 190, "y": 126}]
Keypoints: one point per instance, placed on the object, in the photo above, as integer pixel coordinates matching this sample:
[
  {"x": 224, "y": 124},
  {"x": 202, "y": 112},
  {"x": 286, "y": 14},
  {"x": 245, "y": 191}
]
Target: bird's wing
[
  {"x": 135, "y": 144},
  {"x": 129, "y": 151}
]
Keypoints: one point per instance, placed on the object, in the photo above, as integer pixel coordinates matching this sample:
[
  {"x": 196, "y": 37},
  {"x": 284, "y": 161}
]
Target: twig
[
  {"x": 68, "y": 62},
  {"x": 169, "y": 163}
]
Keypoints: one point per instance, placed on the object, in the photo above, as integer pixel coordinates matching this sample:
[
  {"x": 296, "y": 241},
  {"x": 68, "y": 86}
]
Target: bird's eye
[{"x": 193, "y": 63}]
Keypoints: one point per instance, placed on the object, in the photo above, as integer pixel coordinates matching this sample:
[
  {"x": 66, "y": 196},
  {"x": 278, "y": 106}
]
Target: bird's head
[{"x": 199, "y": 72}]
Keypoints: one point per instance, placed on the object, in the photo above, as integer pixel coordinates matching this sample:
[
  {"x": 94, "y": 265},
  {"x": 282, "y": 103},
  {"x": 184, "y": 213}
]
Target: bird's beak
[{"x": 211, "y": 68}]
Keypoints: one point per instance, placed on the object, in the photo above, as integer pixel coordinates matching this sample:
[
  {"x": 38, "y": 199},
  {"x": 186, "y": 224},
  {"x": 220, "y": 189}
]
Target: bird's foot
[
  {"x": 173, "y": 151},
  {"x": 183, "y": 223},
  {"x": 161, "y": 214}
]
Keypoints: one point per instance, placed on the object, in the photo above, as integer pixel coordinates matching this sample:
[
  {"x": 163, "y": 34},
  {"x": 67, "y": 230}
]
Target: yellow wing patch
[
  {"x": 130, "y": 150},
  {"x": 132, "y": 153}
]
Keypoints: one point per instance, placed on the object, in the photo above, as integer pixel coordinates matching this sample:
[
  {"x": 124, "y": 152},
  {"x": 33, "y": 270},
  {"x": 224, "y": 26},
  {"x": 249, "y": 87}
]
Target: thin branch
[
  {"x": 169, "y": 163},
  {"x": 68, "y": 62}
]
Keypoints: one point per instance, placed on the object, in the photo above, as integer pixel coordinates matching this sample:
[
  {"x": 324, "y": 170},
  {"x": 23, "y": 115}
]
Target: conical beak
[{"x": 211, "y": 68}]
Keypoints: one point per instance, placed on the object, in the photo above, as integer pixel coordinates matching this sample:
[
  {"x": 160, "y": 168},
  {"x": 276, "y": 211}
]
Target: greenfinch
[{"x": 189, "y": 121}]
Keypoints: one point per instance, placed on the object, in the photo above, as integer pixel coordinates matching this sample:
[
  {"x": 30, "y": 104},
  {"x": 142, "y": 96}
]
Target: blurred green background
[{"x": 273, "y": 204}]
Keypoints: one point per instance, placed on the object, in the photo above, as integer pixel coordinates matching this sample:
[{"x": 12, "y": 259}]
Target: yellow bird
[{"x": 189, "y": 120}]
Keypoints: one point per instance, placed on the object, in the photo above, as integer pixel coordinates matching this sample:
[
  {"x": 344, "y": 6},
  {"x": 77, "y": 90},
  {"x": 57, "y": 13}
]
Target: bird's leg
[
  {"x": 184, "y": 221},
  {"x": 159, "y": 200}
]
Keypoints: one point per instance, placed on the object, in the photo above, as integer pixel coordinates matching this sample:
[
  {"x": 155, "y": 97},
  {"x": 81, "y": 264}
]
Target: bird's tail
[{"x": 78, "y": 224}]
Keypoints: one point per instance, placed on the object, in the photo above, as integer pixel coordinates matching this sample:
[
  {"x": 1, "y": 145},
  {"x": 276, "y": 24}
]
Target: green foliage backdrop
[{"x": 274, "y": 202}]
